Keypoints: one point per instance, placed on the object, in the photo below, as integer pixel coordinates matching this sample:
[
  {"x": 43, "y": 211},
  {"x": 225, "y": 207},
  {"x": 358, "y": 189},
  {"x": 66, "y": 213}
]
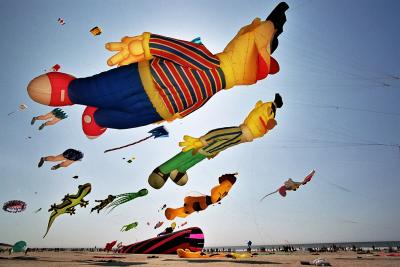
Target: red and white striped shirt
[{"x": 185, "y": 74}]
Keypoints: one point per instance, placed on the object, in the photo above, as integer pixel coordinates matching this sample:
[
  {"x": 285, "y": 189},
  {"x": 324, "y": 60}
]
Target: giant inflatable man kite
[
  {"x": 160, "y": 78},
  {"x": 259, "y": 121}
]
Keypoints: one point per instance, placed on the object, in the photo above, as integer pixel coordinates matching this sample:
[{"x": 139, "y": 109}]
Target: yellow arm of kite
[
  {"x": 240, "y": 58},
  {"x": 190, "y": 143},
  {"x": 129, "y": 50}
]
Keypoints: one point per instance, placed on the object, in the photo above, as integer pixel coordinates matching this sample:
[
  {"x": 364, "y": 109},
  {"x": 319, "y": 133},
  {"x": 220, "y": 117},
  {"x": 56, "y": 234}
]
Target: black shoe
[
  {"x": 41, "y": 161},
  {"x": 55, "y": 167},
  {"x": 33, "y": 120},
  {"x": 278, "y": 18}
]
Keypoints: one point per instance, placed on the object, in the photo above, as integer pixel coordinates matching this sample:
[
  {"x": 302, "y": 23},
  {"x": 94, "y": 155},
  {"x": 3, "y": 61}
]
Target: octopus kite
[
  {"x": 68, "y": 204},
  {"x": 291, "y": 185},
  {"x": 192, "y": 204},
  {"x": 114, "y": 201},
  {"x": 14, "y": 206},
  {"x": 161, "y": 78},
  {"x": 259, "y": 122}
]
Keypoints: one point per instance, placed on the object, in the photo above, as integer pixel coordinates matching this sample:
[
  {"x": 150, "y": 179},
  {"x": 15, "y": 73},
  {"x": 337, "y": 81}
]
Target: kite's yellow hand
[
  {"x": 129, "y": 50},
  {"x": 191, "y": 143}
]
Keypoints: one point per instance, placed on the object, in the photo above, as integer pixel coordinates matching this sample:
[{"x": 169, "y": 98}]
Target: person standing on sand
[{"x": 68, "y": 157}]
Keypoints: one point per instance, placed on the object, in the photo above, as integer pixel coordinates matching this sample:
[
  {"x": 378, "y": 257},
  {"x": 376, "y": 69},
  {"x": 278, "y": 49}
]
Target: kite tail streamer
[{"x": 131, "y": 144}]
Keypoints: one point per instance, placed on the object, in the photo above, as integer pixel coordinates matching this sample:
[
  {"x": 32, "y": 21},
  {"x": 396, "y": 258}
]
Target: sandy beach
[{"x": 44, "y": 259}]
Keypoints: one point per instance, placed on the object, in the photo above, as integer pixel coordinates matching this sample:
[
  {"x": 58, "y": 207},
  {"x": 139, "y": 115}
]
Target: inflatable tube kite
[{"x": 191, "y": 238}]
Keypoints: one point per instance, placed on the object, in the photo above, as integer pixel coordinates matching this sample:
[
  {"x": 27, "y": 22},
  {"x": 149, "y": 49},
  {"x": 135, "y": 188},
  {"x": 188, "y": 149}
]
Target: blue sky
[{"x": 339, "y": 63}]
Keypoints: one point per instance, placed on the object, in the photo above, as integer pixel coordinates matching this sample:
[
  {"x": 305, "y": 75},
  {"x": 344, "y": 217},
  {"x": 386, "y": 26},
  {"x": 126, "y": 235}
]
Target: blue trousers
[{"x": 119, "y": 96}]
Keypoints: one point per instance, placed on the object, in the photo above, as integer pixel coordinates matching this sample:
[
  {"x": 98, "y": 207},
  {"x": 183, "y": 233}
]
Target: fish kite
[
  {"x": 192, "y": 204},
  {"x": 160, "y": 78},
  {"x": 290, "y": 185},
  {"x": 156, "y": 133},
  {"x": 130, "y": 226},
  {"x": 68, "y": 204},
  {"x": 258, "y": 123}
]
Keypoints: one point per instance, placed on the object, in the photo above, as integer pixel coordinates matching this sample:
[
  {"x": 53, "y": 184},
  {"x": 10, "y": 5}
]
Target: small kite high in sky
[
  {"x": 158, "y": 225},
  {"x": 21, "y": 107},
  {"x": 61, "y": 21},
  {"x": 14, "y": 206},
  {"x": 156, "y": 133},
  {"x": 130, "y": 226},
  {"x": 192, "y": 204},
  {"x": 290, "y": 185},
  {"x": 68, "y": 204},
  {"x": 95, "y": 31}
]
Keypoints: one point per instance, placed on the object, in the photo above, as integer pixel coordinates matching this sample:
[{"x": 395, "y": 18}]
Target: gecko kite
[
  {"x": 290, "y": 185},
  {"x": 68, "y": 204},
  {"x": 160, "y": 78},
  {"x": 192, "y": 204},
  {"x": 259, "y": 122}
]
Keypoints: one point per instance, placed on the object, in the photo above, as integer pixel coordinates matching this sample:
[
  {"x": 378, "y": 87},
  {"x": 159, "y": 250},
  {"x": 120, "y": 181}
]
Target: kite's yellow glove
[
  {"x": 190, "y": 143},
  {"x": 240, "y": 59},
  {"x": 129, "y": 50}
]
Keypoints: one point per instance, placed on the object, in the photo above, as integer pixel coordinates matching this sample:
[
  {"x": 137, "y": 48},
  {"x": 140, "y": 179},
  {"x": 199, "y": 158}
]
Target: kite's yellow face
[
  {"x": 261, "y": 119},
  {"x": 220, "y": 191}
]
